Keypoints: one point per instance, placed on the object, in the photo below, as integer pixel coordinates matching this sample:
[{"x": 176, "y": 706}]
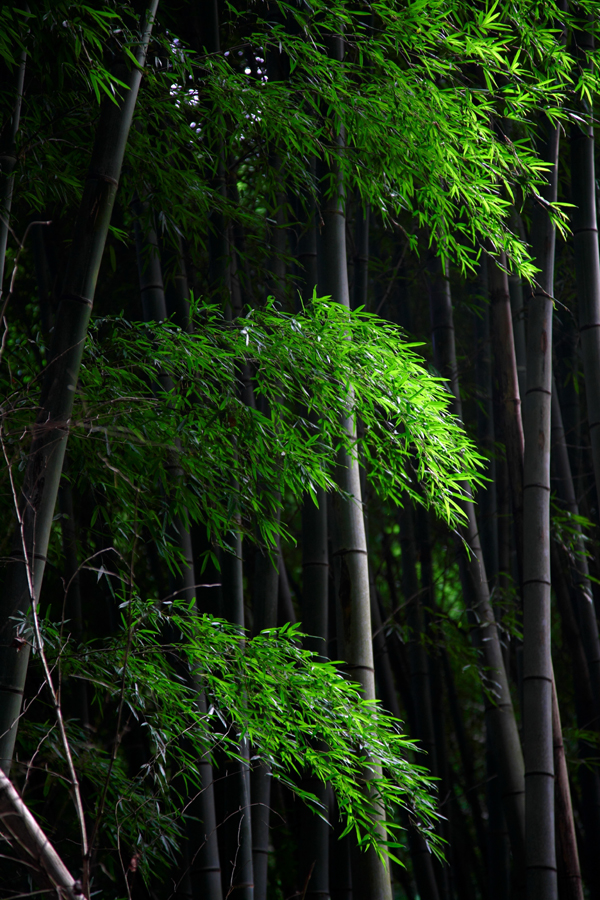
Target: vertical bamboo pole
[
  {"x": 509, "y": 406},
  {"x": 315, "y": 602},
  {"x": 517, "y": 306},
  {"x": 569, "y": 874},
  {"x": 580, "y": 573},
  {"x": 419, "y": 852},
  {"x": 488, "y": 519},
  {"x": 154, "y": 307},
  {"x": 361, "y": 255},
  {"x": 537, "y": 658},
  {"x": 42, "y": 477},
  {"x": 235, "y": 828},
  {"x": 587, "y": 260},
  {"x": 371, "y": 877},
  {"x": 205, "y": 869},
  {"x": 499, "y": 712},
  {"x": 266, "y": 592},
  {"x": 314, "y": 840},
  {"x": 417, "y": 655}
]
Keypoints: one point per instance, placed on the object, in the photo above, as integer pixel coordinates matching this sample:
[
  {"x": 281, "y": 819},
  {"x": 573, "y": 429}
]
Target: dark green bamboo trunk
[
  {"x": 234, "y": 804},
  {"x": 466, "y": 755},
  {"x": 510, "y": 426},
  {"x": 40, "y": 488},
  {"x": 233, "y": 794},
  {"x": 266, "y": 594},
  {"x": 585, "y": 710},
  {"x": 421, "y": 858},
  {"x": 488, "y": 516},
  {"x": 361, "y": 256},
  {"x": 203, "y": 850},
  {"x": 285, "y": 607},
  {"x": 498, "y": 846},
  {"x": 579, "y": 570},
  {"x": 177, "y": 292},
  {"x": 314, "y": 839},
  {"x": 570, "y": 886},
  {"x": 499, "y": 714},
  {"x": 517, "y": 306},
  {"x": 537, "y": 657},
  {"x": 371, "y": 878},
  {"x": 587, "y": 264},
  {"x": 154, "y": 308},
  {"x": 417, "y": 654}
]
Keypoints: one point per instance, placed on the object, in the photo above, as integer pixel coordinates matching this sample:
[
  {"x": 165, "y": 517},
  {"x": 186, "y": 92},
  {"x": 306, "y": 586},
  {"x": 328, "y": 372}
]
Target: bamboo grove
[{"x": 300, "y": 430}]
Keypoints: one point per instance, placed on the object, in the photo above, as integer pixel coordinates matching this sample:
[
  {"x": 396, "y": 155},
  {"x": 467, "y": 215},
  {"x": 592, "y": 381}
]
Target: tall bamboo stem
[
  {"x": 579, "y": 569},
  {"x": 517, "y": 306},
  {"x": 371, "y": 878},
  {"x": 485, "y": 423},
  {"x": 205, "y": 869},
  {"x": 569, "y": 873},
  {"x": 266, "y": 594},
  {"x": 587, "y": 261},
  {"x": 509, "y": 405},
  {"x": 537, "y": 659},
  {"x": 499, "y": 711},
  {"x": 50, "y": 433}
]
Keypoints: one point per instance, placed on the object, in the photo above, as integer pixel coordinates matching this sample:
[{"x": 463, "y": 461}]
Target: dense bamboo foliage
[{"x": 299, "y": 321}]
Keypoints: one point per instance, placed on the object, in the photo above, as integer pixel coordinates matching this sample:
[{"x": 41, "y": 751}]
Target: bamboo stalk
[
  {"x": 517, "y": 306},
  {"x": 499, "y": 710},
  {"x": 417, "y": 655},
  {"x": 361, "y": 255},
  {"x": 488, "y": 516},
  {"x": 579, "y": 568},
  {"x": 569, "y": 875},
  {"x": 421, "y": 857},
  {"x": 509, "y": 405},
  {"x": 235, "y": 821},
  {"x": 585, "y": 711},
  {"x": 371, "y": 877},
  {"x": 205, "y": 868},
  {"x": 266, "y": 594},
  {"x": 537, "y": 660},
  {"x": 50, "y": 432},
  {"x": 587, "y": 260}
]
